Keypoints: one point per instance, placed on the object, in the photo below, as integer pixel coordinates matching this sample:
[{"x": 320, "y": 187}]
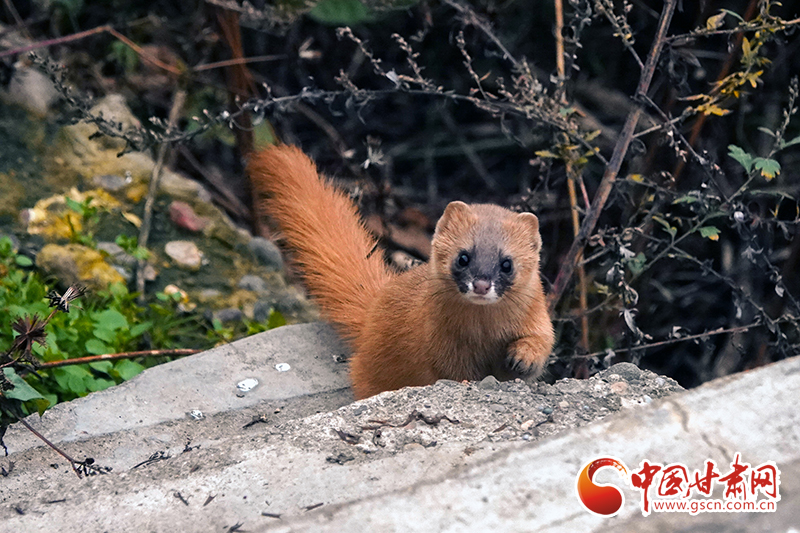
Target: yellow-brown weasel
[{"x": 476, "y": 309}]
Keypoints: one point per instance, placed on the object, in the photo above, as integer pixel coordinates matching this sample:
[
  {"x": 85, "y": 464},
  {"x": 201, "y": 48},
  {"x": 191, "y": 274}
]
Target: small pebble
[
  {"x": 111, "y": 182},
  {"x": 266, "y": 252},
  {"x": 247, "y": 385},
  {"x": 249, "y": 282},
  {"x": 489, "y": 383},
  {"x": 183, "y": 216},
  {"x": 185, "y": 253}
]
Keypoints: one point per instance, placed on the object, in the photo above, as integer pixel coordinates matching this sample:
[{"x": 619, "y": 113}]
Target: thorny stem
[{"x": 610, "y": 176}]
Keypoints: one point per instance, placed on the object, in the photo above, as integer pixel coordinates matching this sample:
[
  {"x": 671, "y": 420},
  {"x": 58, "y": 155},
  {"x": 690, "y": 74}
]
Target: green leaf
[
  {"x": 102, "y": 366},
  {"x": 42, "y": 404},
  {"x": 98, "y": 384},
  {"x": 769, "y": 167},
  {"x": 768, "y": 131},
  {"x": 6, "y": 246},
  {"x": 732, "y": 13},
  {"x": 111, "y": 319},
  {"x": 671, "y": 230},
  {"x": 263, "y": 134},
  {"x": 340, "y": 12},
  {"x": 72, "y": 378},
  {"x": 23, "y": 261},
  {"x": 21, "y": 391},
  {"x": 786, "y": 144},
  {"x": 52, "y": 399},
  {"x": 105, "y": 335},
  {"x": 126, "y": 369},
  {"x": 636, "y": 263},
  {"x": 685, "y": 200},
  {"x": 97, "y": 347},
  {"x": 275, "y": 319},
  {"x": 742, "y": 157},
  {"x": 118, "y": 289},
  {"x": 72, "y": 204},
  {"x": 138, "y": 329},
  {"x": 124, "y": 55},
  {"x": 710, "y": 232}
]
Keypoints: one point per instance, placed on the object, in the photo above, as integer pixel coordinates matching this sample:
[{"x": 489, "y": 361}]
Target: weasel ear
[
  {"x": 530, "y": 221},
  {"x": 454, "y": 213}
]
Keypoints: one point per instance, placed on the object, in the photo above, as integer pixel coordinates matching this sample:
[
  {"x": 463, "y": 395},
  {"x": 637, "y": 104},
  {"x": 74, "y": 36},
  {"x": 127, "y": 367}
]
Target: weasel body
[{"x": 477, "y": 308}]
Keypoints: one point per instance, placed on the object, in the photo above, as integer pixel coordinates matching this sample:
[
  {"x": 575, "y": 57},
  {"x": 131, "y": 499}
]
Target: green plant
[
  {"x": 131, "y": 245},
  {"x": 90, "y": 216},
  {"x": 108, "y": 321}
]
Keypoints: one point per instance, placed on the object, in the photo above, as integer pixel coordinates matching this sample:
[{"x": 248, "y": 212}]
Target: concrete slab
[
  {"x": 205, "y": 383},
  {"x": 533, "y": 488},
  {"x": 449, "y": 457}
]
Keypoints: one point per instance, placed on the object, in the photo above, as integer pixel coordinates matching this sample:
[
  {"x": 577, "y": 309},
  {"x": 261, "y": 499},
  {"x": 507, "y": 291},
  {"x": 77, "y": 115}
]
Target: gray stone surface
[
  {"x": 296, "y": 455},
  {"x": 204, "y": 382},
  {"x": 532, "y": 488}
]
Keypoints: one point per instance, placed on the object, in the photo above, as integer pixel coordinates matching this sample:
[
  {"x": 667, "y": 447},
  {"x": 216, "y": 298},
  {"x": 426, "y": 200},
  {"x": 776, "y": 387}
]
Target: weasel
[{"x": 477, "y": 308}]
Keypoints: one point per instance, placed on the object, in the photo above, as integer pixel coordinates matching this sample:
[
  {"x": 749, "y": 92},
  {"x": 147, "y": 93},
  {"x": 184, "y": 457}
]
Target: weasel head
[{"x": 487, "y": 251}]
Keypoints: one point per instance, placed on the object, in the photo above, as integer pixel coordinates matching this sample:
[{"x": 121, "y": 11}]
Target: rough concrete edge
[
  {"x": 67, "y": 421},
  {"x": 563, "y": 447}
]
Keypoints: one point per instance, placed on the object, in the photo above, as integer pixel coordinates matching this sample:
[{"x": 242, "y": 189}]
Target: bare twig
[
  {"x": 471, "y": 18},
  {"x": 144, "y": 232},
  {"x": 571, "y": 172},
  {"x": 612, "y": 170},
  {"x": 72, "y": 462},
  {"x": 238, "y": 61},
  {"x": 88, "y": 33},
  {"x": 51, "y": 42},
  {"x": 178, "y": 352},
  {"x": 667, "y": 342}
]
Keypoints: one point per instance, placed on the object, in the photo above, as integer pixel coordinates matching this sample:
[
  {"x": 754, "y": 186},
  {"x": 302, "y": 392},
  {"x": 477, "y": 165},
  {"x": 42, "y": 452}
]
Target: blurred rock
[
  {"x": 253, "y": 283},
  {"x": 111, "y": 182},
  {"x": 266, "y": 252},
  {"x": 77, "y": 263},
  {"x": 30, "y": 89},
  {"x": 182, "y": 215},
  {"x": 186, "y": 254}
]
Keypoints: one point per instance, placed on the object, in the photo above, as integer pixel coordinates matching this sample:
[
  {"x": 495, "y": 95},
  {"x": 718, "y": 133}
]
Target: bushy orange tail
[{"x": 322, "y": 226}]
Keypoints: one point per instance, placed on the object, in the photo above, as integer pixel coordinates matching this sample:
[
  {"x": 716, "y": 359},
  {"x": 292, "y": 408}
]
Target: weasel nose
[{"x": 481, "y": 287}]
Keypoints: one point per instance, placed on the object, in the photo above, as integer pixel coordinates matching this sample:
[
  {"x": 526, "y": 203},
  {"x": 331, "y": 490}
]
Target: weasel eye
[
  {"x": 506, "y": 266},
  {"x": 463, "y": 259}
]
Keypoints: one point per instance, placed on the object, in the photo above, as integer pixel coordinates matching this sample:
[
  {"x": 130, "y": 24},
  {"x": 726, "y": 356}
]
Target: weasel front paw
[{"x": 527, "y": 356}]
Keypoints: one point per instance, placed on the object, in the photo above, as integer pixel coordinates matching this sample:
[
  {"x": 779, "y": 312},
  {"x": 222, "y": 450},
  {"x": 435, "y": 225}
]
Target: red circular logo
[{"x": 605, "y": 500}]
